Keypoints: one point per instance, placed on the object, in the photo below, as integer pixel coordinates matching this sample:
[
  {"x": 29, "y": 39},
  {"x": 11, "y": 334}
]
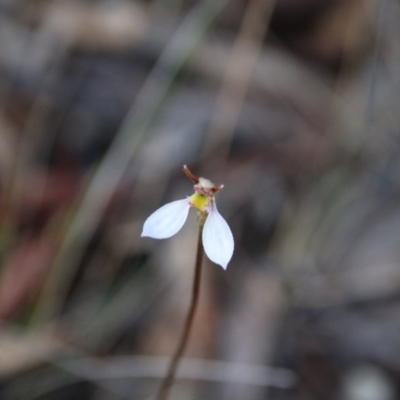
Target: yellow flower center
[{"x": 199, "y": 201}]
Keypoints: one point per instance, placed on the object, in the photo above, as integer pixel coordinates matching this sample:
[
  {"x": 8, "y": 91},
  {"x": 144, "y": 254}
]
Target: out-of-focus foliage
[{"x": 292, "y": 105}]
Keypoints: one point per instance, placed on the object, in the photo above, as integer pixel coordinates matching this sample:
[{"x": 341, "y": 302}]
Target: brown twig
[{"x": 180, "y": 350}]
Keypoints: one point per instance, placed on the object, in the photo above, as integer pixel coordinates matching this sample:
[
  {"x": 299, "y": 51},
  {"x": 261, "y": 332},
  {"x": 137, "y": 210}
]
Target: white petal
[
  {"x": 167, "y": 220},
  {"x": 217, "y": 238}
]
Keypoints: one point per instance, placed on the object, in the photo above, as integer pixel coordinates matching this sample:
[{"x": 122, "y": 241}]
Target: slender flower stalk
[
  {"x": 180, "y": 350},
  {"x": 215, "y": 239}
]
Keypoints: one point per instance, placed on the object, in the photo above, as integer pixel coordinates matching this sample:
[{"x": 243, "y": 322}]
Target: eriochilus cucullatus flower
[{"x": 168, "y": 220}]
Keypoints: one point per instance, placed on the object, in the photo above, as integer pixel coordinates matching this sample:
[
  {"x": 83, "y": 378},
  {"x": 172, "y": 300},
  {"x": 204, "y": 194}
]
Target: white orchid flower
[{"x": 169, "y": 219}]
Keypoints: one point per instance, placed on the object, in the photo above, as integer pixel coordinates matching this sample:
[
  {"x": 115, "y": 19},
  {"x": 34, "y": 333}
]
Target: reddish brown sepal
[
  {"x": 217, "y": 189},
  {"x": 188, "y": 173}
]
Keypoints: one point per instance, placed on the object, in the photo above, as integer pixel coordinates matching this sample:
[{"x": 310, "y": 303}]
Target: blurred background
[{"x": 293, "y": 105}]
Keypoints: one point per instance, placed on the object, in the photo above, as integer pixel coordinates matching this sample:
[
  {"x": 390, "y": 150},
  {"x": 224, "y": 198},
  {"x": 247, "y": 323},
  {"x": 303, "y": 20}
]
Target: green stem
[{"x": 180, "y": 350}]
